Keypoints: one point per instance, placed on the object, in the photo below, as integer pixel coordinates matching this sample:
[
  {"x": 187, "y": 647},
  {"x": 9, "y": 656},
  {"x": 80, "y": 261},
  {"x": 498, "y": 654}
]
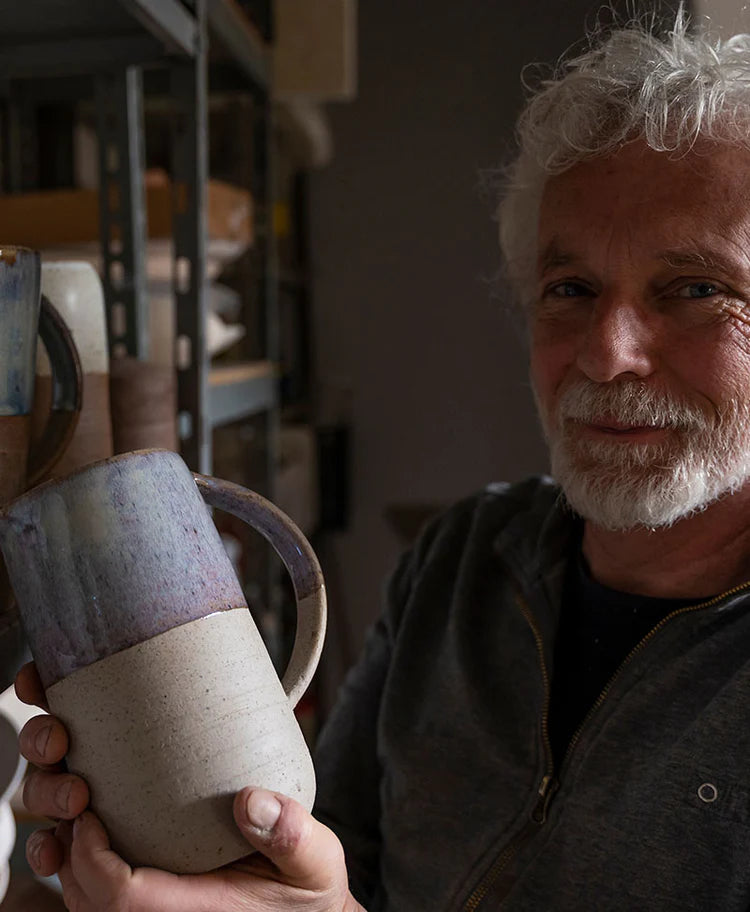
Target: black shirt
[{"x": 599, "y": 627}]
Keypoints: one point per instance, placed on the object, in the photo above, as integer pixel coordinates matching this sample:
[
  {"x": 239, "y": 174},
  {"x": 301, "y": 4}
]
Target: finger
[
  {"x": 43, "y": 740},
  {"x": 44, "y": 853},
  {"x": 64, "y": 835},
  {"x": 94, "y": 864},
  {"x": 29, "y": 687},
  {"x": 73, "y": 893},
  {"x": 305, "y": 851},
  {"x": 55, "y": 794}
]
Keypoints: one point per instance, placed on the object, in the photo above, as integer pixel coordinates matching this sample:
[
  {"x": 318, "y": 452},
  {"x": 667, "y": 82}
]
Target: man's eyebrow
[
  {"x": 553, "y": 256},
  {"x": 703, "y": 259}
]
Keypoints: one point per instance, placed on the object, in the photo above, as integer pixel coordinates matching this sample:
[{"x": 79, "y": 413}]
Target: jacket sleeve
[{"x": 347, "y": 761}]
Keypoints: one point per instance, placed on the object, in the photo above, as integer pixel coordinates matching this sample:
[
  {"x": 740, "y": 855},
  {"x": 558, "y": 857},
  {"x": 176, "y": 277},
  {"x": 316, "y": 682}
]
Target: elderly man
[{"x": 553, "y": 711}]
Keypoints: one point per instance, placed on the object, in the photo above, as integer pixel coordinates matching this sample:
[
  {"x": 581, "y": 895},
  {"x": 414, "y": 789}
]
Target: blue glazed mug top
[{"x": 111, "y": 556}]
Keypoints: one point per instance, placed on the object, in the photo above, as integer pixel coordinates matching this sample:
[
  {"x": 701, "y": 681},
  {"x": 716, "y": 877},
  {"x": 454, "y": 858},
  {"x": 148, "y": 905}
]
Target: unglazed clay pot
[
  {"x": 75, "y": 290},
  {"x": 144, "y": 405},
  {"x": 148, "y": 652}
]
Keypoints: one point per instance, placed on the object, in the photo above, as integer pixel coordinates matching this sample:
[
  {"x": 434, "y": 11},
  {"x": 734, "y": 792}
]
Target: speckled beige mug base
[{"x": 166, "y": 732}]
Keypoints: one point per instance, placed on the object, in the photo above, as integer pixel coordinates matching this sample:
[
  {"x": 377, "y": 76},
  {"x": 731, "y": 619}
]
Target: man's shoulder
[
  {"x": 500, "y": 502},
  {"x": 518, "y": 525},
  {"x": 524, "y": 506},
  {"x": 537, "y": 494}
]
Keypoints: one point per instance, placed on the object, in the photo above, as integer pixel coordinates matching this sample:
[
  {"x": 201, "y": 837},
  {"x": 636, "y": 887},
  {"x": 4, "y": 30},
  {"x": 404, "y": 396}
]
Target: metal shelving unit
[
  {"x": 109, "y": 44},
  {"x": 241, "y": 390}
]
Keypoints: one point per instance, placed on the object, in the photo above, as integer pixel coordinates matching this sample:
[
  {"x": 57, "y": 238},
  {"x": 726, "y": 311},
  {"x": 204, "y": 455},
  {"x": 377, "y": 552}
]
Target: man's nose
[{"x": 619, "y": 340}]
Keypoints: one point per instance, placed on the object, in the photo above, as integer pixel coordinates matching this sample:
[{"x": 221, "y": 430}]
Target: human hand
[
  {"x": 49, "y": 790},
  {"x": 302, "y": 866}
]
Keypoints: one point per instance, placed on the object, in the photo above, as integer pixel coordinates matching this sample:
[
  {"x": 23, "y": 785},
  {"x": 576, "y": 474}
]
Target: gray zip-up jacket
[{"x": 435, "y": 768}]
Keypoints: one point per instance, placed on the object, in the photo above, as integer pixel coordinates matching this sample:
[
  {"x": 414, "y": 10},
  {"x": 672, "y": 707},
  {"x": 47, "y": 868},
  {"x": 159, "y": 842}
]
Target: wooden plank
[
  {"x": 236, "y": 373},
  {"x": 62, "y": 217}
]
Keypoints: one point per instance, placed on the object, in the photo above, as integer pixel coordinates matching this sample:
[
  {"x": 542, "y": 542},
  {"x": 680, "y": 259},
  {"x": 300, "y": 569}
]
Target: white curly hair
[{"x": 669, "y": 90}]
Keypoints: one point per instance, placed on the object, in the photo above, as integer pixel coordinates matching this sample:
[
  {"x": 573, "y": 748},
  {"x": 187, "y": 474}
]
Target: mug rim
[
  {"x": 67, "y": 264},
  {"x": 6, "y": 509},
  {"x": 16, "y": 248}
]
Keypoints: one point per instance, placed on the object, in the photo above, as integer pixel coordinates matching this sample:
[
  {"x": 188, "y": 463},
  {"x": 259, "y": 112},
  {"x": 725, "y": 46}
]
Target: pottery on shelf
[{"x": 76, "y": 291}]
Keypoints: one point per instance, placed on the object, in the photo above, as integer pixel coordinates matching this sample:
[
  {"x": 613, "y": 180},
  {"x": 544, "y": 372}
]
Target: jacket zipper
[
  {"x": 547, "y": 787},
  {"x": 549, "y": 783}
]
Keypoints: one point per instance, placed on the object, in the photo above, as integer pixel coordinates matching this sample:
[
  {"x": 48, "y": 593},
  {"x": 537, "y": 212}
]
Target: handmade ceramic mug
[
  {"x": 75, "y": 290},
  {"x": 24, "y": 314},
  {"x": 148, "y": 652}
]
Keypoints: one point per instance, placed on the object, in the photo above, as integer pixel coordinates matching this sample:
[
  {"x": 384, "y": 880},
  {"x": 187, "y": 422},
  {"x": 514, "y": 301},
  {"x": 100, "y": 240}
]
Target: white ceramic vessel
[
  {"x": 12, "y": 767},
  {"x": 74, "y": 288}
]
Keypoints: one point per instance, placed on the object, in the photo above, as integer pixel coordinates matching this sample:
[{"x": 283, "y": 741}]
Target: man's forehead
[
  {"x": 636, "y": 176},
  {"x": 688, "y": 211}
]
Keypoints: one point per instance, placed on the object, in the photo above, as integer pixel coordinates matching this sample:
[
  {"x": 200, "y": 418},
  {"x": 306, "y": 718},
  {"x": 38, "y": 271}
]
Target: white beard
[{"x": 619, "y": 485}]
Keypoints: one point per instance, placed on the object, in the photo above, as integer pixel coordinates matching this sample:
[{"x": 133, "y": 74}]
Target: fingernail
[
  {"x": 263, "y": 809},
  {"x": 34, "y": 850},
  {"x": 77, "y": 823},
  {"x": 42, "y": 737},
  {"x": 62, "y": 795}
]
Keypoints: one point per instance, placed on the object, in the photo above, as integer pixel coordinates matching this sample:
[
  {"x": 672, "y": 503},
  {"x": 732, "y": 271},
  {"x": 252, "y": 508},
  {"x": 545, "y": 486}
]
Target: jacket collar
[{"x": 535, "y": 546}]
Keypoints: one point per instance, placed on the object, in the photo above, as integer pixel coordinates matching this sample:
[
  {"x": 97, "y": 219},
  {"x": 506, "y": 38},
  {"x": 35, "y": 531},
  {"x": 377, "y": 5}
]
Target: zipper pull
[{"x": 547, "y": 789}]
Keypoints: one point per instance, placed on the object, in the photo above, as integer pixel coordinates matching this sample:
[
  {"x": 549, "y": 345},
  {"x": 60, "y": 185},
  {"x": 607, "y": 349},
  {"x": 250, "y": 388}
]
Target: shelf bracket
[
  {"x": 122, "y": 209},
  {"x": 189, "y": 230}
]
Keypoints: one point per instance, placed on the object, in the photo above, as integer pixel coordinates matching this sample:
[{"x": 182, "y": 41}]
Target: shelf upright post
[
  {"x": 122, "y": 209},
  {"x": 189, "y": 226},
  {"x": 21, "y": 144},
  {"x": 264, "y": 184},
  {"x": 270, "y": 279},
  {"x": 264, "y": 197}
]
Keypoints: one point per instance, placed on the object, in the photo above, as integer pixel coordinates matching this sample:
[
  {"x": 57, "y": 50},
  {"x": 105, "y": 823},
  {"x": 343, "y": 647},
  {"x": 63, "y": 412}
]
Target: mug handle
[
  {"x": 67, "y": 392},
  {"x": 301, "y": 563}
]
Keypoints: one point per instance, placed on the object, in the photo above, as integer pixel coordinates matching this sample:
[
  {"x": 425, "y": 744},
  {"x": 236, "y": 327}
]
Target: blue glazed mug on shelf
[
  {"x": 149, "y": 654},
  {"x": 24, "y": 315}
]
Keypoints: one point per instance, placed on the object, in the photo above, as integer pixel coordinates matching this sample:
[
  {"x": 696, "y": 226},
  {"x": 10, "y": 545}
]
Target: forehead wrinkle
[{"x": 623, "y": 233}]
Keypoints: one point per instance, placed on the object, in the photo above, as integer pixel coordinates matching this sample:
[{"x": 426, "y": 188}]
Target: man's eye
[
  {"x": 698, "y": 290},
  {"x": 568, "y": 290}
]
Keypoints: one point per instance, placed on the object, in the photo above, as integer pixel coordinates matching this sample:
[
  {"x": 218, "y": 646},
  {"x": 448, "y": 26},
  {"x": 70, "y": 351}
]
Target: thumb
[
  {"x": 306, "y": 852},
  {"x": 92, "y": 858}
]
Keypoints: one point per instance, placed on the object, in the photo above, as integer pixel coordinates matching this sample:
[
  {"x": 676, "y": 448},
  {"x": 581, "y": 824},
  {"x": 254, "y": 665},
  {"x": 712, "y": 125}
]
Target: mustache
[{"x": 630, "y": 403}]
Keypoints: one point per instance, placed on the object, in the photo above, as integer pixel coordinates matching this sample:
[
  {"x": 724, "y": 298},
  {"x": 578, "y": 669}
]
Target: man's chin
[
  {"x": 621, "y": 502},
  {"x": 622, "y": 499},
  {"x": 612, "y": 518}
]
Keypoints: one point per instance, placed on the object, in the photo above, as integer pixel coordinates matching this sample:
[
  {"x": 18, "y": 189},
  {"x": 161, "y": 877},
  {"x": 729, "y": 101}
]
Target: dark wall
[{"x": 411, "y": 337}]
